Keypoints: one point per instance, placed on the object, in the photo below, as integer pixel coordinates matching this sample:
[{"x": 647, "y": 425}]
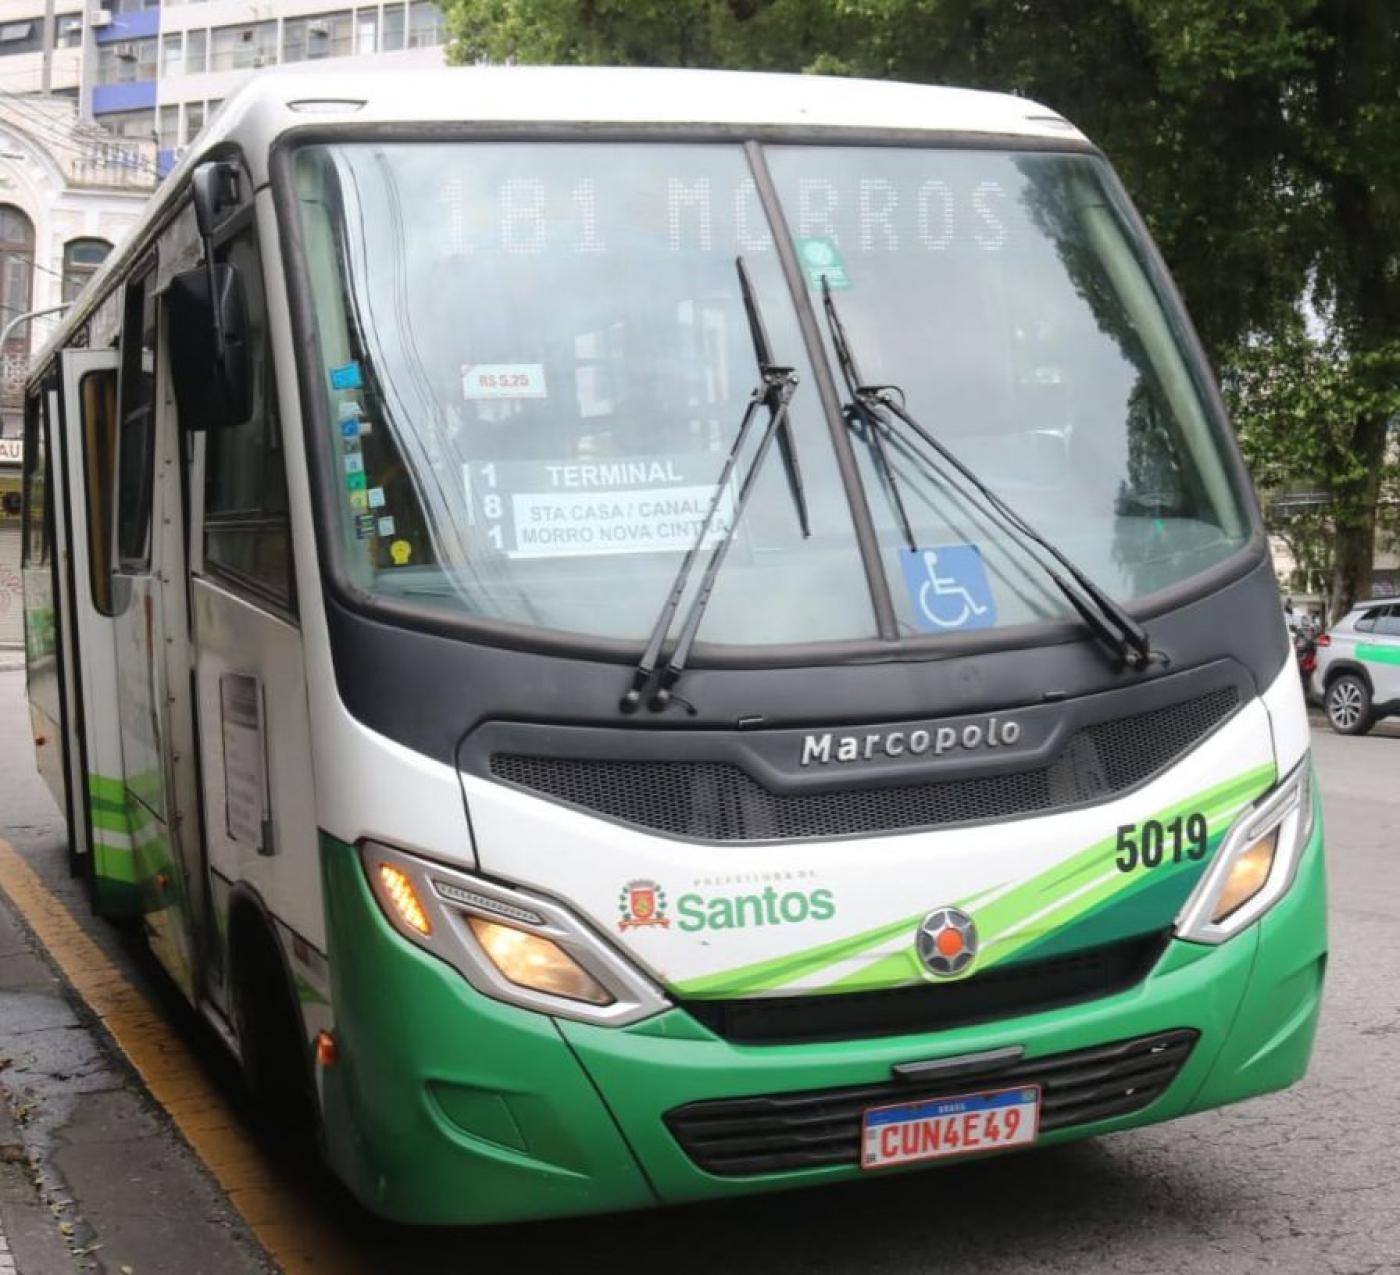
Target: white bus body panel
[{"x": 871, "y": 881}]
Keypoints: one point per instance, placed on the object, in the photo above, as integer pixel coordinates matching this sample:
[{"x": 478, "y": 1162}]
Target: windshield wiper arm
[
  {"x": 773, "y": 391},
  {"x": 856, "y": 409},
  {"x": 877, "y": 403}
]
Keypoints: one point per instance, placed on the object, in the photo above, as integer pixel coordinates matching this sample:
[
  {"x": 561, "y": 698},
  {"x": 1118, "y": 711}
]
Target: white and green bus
[{"x": 565, "y": 798}]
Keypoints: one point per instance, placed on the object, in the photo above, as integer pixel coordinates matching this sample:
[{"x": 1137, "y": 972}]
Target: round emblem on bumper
[{"x": 946, "y": 942}]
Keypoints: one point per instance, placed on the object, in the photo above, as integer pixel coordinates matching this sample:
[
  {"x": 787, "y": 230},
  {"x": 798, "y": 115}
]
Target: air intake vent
[
  {"x": 818, "y": 1128},
  {"x": 718, "y": 801}
]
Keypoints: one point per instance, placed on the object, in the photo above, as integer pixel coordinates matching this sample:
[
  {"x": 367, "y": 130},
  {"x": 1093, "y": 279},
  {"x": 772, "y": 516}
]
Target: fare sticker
[{"x": 503, "y": 380}]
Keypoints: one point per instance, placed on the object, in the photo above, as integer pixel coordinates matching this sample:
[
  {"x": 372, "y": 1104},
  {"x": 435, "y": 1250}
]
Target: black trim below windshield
[{"x": 517, "y": 637}]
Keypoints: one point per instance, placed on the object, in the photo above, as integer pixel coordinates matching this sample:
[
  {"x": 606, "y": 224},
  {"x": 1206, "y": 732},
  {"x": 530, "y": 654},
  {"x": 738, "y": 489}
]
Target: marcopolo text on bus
[{"x": 995, "y": 732}]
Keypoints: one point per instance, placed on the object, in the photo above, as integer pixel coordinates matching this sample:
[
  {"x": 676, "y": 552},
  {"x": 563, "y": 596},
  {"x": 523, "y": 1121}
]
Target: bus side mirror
[{"x": 208, "y": 340}]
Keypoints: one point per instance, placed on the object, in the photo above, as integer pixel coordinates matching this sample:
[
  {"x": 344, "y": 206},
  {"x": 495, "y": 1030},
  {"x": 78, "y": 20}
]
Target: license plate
[{"x": 937, "y": 1128}]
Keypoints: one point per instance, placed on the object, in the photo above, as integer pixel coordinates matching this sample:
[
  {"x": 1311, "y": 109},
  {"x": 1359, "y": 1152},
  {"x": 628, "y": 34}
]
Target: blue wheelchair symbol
[{"x": 948, "y": 588}]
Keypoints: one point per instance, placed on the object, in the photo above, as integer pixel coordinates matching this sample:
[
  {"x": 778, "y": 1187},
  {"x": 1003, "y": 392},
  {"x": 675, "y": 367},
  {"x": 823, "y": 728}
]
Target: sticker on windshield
[
  {"x": 948, "y": 588},
  {"x": 543, "y": 509},
  {"x": 821, "y": 259},
  {"x": 503, "y": 380},
  {"x": 346, "y": 377}
]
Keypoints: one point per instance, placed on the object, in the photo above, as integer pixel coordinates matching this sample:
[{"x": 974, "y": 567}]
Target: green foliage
[
  {"x": 1297, "y": 402},
  {"x": 1260, "y": 137}
]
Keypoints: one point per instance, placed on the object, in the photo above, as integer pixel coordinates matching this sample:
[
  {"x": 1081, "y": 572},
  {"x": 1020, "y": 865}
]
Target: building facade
[
  {"x": 97, "y": 102},
  {"x": 68, "y": 192},
  {"x": 160, "y": 70}
]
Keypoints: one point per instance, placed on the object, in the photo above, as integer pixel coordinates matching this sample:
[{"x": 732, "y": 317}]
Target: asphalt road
[{"x": 1303, "y": 1181}]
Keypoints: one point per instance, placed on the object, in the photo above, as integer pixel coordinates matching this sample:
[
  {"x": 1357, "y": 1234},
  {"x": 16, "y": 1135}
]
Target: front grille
[
  {"x": 820, "y": 1128},
  {"x": 1000, "y": 993},
  {"x": 718, "y": 801}
]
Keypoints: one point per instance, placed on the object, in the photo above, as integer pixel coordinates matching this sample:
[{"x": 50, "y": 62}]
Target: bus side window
[
  {"x": 37, "y": 530},
  {"x": 97, "y": 401},
  {"x": 247, "y": 535},
  {"x": 137, "y": 436}
]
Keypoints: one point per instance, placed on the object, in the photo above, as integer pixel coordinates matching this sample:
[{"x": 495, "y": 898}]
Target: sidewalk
[
  {"x": 93, "y": 1177},
  {"x": 31, "y": 1241}
]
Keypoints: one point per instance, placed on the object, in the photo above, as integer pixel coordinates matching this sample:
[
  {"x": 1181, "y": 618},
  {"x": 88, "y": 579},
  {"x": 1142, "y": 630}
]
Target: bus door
[
  {"x": 253, "y": 726},
  {"x": 48, "y": 631},
  {"x": 150, "y": 638},
  {"x": 83, "y": 519}
]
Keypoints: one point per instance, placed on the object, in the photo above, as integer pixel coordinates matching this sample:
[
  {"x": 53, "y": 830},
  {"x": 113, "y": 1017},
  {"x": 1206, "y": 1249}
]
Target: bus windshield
[{"x": 536, "y": 357}]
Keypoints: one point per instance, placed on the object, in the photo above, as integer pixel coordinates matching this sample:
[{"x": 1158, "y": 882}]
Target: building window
[
  {"x": 393, "y": 28},
  {"x": 169, "y": 137},
  {"x": 321, "y": 35},
  {"x": 81, "y": 257},
  {"x": 366, "y": 31},
  {"x": 16, "y": 278},
  {"x": 424, "y": 25},
  {"x": 68, "y": 31},
  {"x": 194, "y": 120},
  {"x": 241, "y": 47},
  {"x": 196, "y": 52},
  {"x": 126, "y": 62},
  {"x": 20, "y": 37},
  {"x": 172, "y": 54},
  {"x": 137, "y": 125}
]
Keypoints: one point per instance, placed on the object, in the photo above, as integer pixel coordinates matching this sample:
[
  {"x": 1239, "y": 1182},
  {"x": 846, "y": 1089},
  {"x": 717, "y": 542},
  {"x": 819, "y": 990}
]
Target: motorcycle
[{"x": 1305, "y": 653}]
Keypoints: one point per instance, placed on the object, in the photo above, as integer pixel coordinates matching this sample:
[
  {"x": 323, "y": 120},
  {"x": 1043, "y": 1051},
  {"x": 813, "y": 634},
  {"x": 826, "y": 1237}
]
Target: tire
[
  {"x": 271, "y": 1037},
  {"x": 1348, "y": 705}
]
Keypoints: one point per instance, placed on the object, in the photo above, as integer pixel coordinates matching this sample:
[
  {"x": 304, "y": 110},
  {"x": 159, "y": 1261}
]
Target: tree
[
  {"x": 1296, "y": 399},
  {"x": 1261, "y": 138}
]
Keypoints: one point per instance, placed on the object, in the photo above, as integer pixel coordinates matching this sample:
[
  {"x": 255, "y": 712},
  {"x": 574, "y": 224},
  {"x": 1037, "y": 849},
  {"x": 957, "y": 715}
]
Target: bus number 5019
[{"x": 1153, "y": 843}]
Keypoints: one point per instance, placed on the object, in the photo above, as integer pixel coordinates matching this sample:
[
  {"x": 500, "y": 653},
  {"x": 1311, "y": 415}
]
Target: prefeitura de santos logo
[{"x": 642, "y": 903}]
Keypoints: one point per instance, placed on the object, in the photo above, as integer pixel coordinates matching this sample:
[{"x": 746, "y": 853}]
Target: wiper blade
[
  {"x": 774, "y": 391},
  {"x": 861, "y": 417},
  {"x": 876, "y": 404}
]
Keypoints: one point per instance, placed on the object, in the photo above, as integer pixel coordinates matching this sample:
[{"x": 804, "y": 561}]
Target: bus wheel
[
  {"x": 271, "y": 1038},
  {"x": 1349, "y": 705}
]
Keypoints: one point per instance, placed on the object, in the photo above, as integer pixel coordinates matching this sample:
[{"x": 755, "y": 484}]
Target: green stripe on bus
[
  {"x": 1374, "y": 653},
  {"x": 1051, "y": 899},
  {"x": 115, "y": 863},
  {"x": 104, "y": 789},
  {"x": 109, "y": 820}
]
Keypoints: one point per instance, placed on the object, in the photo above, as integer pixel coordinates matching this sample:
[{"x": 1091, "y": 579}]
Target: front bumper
[{"x": 449, "y": 1107}]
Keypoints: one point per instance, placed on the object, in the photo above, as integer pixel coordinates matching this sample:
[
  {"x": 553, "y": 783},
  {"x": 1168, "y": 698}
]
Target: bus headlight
[
  {"x": 509, "y": 944},
  {"x": 1256, "y": 862},
  {"x": 531, "y": 960}
]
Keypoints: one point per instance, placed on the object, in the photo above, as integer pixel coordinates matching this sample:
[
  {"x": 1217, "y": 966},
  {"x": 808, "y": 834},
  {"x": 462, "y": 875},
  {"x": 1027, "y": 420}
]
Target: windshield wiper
[
  {"x": 773, "y": 391},
  {"x": 876, "y": 404},
  {"x": 860, "y": 416}
]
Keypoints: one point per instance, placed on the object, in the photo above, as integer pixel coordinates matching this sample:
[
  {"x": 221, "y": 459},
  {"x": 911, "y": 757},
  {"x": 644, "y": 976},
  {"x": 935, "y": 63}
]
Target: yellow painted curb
[{"x": 295, "y": 1236}]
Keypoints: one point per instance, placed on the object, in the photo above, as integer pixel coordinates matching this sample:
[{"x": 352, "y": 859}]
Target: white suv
[{"x": 1358, "y": 667}]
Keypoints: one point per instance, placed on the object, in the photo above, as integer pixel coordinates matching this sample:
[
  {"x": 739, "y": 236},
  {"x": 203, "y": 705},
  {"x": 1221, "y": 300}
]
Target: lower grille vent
[{"x": 818, "y": 1128}]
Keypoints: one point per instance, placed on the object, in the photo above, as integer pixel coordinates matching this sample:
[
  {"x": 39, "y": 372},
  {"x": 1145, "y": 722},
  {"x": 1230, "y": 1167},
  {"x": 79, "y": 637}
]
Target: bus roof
[{"x": 284, "y": 98}]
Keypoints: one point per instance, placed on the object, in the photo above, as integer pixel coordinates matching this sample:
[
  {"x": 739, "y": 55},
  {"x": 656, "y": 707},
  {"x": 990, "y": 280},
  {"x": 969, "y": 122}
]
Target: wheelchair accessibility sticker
[{"x": 948, "y": 588}]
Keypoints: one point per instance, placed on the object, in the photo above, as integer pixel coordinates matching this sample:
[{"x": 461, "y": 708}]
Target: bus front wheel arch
[{"x": 267, "y": 1020}]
